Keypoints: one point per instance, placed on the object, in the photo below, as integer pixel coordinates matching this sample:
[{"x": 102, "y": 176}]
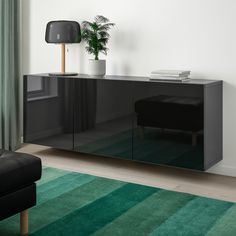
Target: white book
[
  {"x": 169, "y": 80},
  {"x": 169, "y": 75},
  {"x": 171, "y": 72},
  {"x": 160, "y": 77}
]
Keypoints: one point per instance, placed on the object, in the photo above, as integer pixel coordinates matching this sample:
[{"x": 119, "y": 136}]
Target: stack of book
[{"x": 170, "y": 75}]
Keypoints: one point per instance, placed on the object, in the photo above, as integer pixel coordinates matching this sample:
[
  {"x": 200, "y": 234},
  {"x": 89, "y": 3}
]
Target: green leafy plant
[{"x": 96, "y": 35}]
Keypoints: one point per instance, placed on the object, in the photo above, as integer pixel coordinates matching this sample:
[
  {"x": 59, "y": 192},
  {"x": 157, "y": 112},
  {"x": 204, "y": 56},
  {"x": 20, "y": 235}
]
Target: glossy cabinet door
[
  {"x": 168, "y": 124},
  {"x": 103, "y": 117},
  {"x": 133, "y": 118},
  {"x": 48, "y": 111}
]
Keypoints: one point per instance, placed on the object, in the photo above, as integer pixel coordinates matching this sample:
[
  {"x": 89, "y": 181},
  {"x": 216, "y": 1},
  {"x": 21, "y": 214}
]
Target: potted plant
[{"x": 96, "y": 36}]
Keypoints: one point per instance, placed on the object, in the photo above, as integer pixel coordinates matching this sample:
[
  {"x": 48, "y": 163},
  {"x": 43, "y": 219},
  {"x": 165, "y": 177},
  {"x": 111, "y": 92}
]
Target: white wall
[{"x": 199, "y": 35}]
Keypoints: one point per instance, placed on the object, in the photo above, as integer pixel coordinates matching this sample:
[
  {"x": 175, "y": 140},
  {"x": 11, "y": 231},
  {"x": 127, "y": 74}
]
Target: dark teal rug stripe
[
  {"x": 196, "y": 218},
  {"x": 99, "y": 213}
]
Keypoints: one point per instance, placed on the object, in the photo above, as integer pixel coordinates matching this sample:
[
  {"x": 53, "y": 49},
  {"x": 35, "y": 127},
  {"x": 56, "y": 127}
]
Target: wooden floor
[{"x": 199, "y": 183}]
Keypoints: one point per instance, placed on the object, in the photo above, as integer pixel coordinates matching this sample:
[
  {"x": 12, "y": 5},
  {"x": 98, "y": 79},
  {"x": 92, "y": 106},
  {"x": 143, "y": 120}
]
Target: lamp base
[{"x": 63, "y": 74}]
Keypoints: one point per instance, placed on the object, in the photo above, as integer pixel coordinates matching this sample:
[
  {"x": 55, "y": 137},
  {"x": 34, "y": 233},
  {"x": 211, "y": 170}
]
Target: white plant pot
[{"x": 97, "y": 67}]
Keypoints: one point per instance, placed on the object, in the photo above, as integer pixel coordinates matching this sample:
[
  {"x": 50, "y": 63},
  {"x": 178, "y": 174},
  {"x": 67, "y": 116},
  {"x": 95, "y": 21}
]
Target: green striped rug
[{"x": 71, "y": 204}]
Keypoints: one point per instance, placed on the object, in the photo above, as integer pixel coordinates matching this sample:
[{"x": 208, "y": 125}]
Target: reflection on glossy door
[
  {"x": 103, "y": 118},
  {"x": 168, "y": 125},
  {"x": 49, "y": 112}
]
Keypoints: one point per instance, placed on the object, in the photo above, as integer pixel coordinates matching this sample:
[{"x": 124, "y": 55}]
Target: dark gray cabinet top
[{"x": 204, "y": 82}]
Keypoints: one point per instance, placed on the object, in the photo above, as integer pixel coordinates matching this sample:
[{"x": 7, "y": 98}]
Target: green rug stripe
[
  {"x": 62, "y": 185},
  {"x": 10, "y": 226},
  {"x": 99, "y": 213},
  {"x": 50, "y": 174},
  {"x": 47, "y": 186},
  {"x": 226, "y": 225},
  {"x": 148, "y": 214},
  {"x": 196, "y": 218}
]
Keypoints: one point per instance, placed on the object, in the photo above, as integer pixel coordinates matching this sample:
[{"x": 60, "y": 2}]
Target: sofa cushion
[{"x": 18, "y": 170}]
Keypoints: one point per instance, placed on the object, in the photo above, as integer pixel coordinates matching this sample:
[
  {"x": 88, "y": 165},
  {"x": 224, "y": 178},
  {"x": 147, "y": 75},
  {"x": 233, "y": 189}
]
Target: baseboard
[{"x": 223, "y": 170}]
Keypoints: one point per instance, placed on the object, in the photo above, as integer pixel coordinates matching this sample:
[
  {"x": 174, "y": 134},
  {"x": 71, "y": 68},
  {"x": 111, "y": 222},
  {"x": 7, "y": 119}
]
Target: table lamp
[{"x": 63, "y": 32}]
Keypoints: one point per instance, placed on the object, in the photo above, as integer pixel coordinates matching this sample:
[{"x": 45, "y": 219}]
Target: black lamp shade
[{"x": 63, "y": 32}]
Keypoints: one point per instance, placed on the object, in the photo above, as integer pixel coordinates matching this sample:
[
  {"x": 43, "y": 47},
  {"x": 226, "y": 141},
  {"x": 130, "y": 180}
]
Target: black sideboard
[{"x": 167, "y": 123}]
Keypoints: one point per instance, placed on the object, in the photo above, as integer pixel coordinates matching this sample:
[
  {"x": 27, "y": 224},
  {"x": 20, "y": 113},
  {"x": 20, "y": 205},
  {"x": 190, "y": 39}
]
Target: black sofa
[
  {"x": 18, "y": 173},
  {"x": 170, "y": 112}
]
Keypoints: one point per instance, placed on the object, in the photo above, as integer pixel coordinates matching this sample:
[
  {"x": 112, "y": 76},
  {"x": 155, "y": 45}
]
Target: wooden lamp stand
[
  {"x": 63, "y": 58},
  {"x": 63, "y": 64}
]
